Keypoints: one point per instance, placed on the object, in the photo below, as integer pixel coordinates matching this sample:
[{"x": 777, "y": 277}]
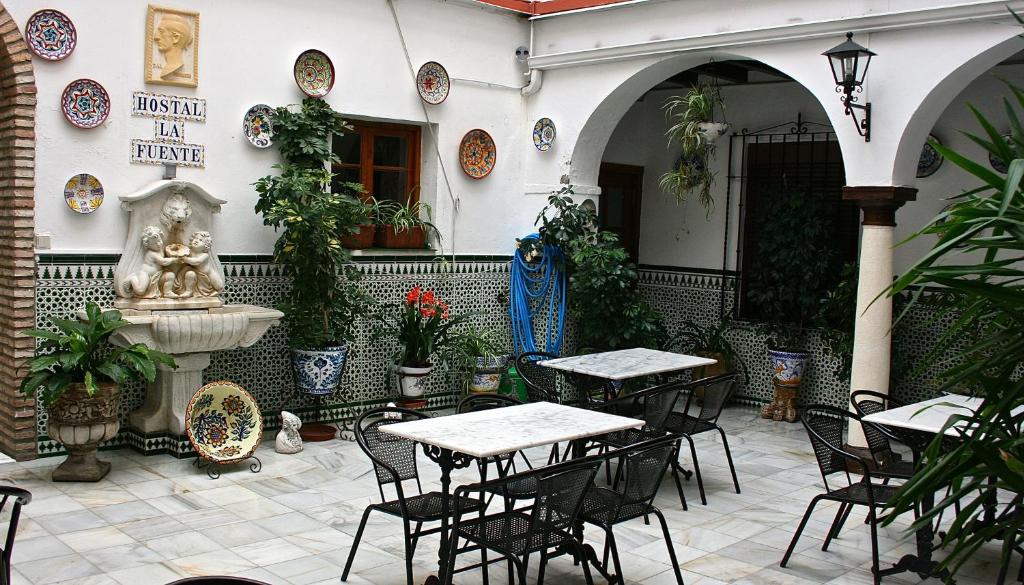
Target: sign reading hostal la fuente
[{"x": 168, "y": 145}]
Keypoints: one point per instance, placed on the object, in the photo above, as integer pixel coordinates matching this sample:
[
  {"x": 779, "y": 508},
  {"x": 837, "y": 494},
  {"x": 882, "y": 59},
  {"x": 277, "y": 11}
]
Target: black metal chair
[
  {"x": 653, "y": 405},
  {"x": 887, "y": 462},
  {"x": 394, "y": 462},
  {"x": 825, "y": 426},
  {"x": 20, "y": 498},
  {"x": 541, "y": 383},
  {"x": 644, "y": 464},
  {"x": 546, "y": 524},
  {"x": 717, "y": 392}
]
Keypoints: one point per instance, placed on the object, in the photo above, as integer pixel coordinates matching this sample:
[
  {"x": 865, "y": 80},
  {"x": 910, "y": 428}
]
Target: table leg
[
  {"x": 447, "y": 460},
  {"x": 920, "y": 563}
]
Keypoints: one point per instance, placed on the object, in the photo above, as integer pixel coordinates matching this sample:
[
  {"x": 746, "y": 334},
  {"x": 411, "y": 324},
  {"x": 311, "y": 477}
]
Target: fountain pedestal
[{"x": 168, "y": 395}]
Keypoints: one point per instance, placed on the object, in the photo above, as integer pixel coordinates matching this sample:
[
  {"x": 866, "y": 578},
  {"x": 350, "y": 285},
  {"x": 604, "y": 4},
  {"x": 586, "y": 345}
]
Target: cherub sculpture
[
  {"x": 146, "y": 283},
  {"x": 288, "y": 440},
  {"x": 200, "y": 277}
]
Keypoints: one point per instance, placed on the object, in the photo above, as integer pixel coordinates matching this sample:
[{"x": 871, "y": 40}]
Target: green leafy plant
[
  {"x": 690, "y": 174},
  {"x": 469, "y": 343},
  {"x": 602, "y": 281},
  {"x": 686, "y": 114},
  {"x": 81, "y": 353},
  {"x": 701, "y": 339},
  {"x": 422, "y": 324},
  {"x": 977, "y": 255},
  {"x": 836, "y": 317},
  {"x": 795, "y": 268},
  {"x": 405, "y": 217},
  {"x": 325, "y": 300}
]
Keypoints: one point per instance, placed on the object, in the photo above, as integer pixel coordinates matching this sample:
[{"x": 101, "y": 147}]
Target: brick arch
[{"x": 17, "y": 245}]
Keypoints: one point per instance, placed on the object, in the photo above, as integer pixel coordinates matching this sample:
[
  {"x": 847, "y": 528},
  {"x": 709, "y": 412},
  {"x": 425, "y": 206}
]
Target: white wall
[
  {"x": 247, "y": 49},
  {"x": 677, "y": 235}
]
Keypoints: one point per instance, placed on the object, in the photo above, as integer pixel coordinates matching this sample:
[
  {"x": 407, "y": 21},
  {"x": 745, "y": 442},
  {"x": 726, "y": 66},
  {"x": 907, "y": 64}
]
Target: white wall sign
[
  {"x": 168, "y": 145},
  {"x": 168, "y": 106},
  {"x": 157, "y": 153}
]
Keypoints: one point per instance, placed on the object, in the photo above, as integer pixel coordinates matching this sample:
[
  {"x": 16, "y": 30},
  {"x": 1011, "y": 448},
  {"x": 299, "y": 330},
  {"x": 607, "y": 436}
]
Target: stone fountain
[{"x": 169, "y": 283}]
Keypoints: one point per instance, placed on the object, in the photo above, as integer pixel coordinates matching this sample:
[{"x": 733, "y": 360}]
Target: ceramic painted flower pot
[
  {"x": 80, "y": 422},
  {"x": 318, "y": 371},
  {"x": 361, "y": 240},
  {"x": 787, "y": 367},
  {"x": 711, "y": 131},
  {"x": 411, "y": 382},
  {"x": 487, "y": 374},
  {"x": 389, "y": 237}
]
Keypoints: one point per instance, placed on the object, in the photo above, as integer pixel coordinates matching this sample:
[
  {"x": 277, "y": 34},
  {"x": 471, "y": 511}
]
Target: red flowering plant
[{"x": 422, "y": 325}]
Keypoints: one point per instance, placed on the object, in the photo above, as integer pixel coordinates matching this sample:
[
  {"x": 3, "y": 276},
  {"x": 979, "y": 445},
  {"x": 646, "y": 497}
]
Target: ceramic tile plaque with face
[{"x": 172, "y": 46}]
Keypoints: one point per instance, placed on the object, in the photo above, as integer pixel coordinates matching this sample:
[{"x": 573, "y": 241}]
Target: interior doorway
[{"x": 619, "y": 210}]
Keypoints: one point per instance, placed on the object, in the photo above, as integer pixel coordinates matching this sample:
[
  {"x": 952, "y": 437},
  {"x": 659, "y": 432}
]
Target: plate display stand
[{"x": 224, "y": 425}]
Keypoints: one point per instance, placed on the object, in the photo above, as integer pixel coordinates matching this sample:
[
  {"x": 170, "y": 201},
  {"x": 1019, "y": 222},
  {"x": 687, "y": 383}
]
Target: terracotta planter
[
  {"x": 411, "y": 382},
  {"x": 387, "y": 237},
  {"x": 361, "y": 240},
  {"x": 80, "y": 422}
]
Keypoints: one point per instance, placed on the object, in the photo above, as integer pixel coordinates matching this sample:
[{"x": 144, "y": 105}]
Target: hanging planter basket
[{"x": 712, "y": 131}]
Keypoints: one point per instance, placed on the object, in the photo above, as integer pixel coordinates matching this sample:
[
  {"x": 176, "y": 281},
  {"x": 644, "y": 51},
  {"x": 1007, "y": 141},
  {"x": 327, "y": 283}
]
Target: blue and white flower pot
[
  {"x": 411, "y": 382},
  {"x": 318, "y": 371},
  {"x": 787, "y": 367},
  {"x": 487, "y": 374}
]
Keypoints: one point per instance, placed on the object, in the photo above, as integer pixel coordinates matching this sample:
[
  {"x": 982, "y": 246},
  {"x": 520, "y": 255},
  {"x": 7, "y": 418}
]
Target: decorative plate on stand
[
  {"x": 314, "y": 73},
  {"x": 85, "y": 103},
  {"x": 50, "y": 34},
  {"x": 257, "y": 127},
  {"x": 543, "y": 134},
  {"x": 223, "y": 423},
  {"x": 930, "y": 160},
  {"x": 477, "y": 154},
  {"x": 998, "y": 164},
  {"x": 83, "y": 193},
  {"x": 432, "y": 83}
]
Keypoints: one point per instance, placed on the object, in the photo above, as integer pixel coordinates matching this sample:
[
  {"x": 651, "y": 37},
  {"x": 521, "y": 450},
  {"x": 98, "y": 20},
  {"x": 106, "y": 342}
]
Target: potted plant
[
  {"x": 422, "y": 324},
  {"x": 796, "y": 266},
  {"x": 325, "y": 300},
  {"x": 403, "y": 226},
  {"x": 478, "y": 357},
  {"x": 694, "y": 129},
  {"x": 366, "y": 228},
  {"x": 77, "y": 375},
  {"x": 709, "y": 341}
]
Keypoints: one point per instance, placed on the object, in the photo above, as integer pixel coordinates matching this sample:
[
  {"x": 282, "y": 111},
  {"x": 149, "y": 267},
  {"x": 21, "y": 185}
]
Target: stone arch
[
  {"x": 17, "y": 238},
  {"x": 915, "y": 133}
]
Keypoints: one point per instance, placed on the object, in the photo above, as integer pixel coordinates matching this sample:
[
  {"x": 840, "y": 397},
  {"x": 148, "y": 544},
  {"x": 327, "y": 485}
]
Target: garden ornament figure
[{"x": 288, "y": 440}]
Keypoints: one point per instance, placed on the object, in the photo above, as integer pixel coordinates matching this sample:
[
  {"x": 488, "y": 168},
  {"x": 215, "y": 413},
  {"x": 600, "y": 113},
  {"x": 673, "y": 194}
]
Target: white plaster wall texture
[{"x": 246, "y": 54}]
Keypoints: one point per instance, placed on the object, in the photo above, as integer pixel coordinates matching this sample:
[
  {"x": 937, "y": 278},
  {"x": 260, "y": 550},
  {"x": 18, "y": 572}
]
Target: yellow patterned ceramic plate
[
  {"x": 83, "y": 193},
  {"x": 223, "y": 422}
]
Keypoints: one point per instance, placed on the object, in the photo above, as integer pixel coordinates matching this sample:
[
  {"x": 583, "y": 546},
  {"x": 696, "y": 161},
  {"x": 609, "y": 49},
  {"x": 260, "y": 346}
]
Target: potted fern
[
  {"x": 478, "y": 358},
  {"x": 78, "y": 374},
  {"x": 312, "y": 215},
  {"x": 694, "y": 129},
  {"x": 404, "y": 226}
]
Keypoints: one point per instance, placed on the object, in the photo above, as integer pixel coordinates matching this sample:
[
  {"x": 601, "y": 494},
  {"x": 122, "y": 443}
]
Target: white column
[{"x": 872, "y": 340}]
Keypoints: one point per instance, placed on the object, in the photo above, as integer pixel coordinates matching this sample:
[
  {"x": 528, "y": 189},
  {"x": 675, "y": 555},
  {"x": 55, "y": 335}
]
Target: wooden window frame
[{"x": 368, "y": 131}]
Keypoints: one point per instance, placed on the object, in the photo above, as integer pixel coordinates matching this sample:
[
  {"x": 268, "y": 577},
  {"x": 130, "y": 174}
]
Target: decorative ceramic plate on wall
[
  {"x": 314, "y": 73},
  {"x": 477, "y": 154},
  {"x": 223, "y": 422},
  {"x": 998, "y": 164},
  {"x": 83, "y": 193},
  {"x": 257, "y": 127},
  {"x": 85, "y": 103},
  {"x": 543, "y": 134},
  {"x": 51, "y": 35},
  {"x": 433, "y": 83},
  {"x": 930, "y": 160}
]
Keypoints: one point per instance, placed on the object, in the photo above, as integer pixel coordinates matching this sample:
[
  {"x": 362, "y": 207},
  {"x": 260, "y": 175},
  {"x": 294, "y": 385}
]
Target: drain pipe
[{"x": 536, "y": 75}]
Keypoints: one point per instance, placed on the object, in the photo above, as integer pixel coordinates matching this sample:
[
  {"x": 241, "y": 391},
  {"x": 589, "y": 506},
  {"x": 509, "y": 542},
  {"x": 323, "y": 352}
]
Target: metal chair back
[
  {"x": 559, "y": 498},
  {"x": 825, "y": 425},
  {"x": 867, "y": 402},
  {"x": 645, "y": 469},
  {"x": 717, "y": 392},
  {"x": 475, "y": 402},
  {"x": 393, "y": 457},
  {"x": 653, "y": 405},
  {"x": 541, "y": 383},
  {"x": 20, "y": 498}
]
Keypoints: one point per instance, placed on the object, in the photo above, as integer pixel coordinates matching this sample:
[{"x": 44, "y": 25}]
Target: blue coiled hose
[{"x": 531, "y": 285}]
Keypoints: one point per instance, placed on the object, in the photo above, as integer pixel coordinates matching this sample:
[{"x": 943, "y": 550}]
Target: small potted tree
[
  {"x": 796, "y": 266},
  {"x": 325, "y": 300},
  {"x": 77, "y": 375}
]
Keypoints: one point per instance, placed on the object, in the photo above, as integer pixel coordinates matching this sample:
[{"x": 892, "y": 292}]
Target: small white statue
[
  {"x": 200, "y": 277},
  {"x": 288, "y": 440},
  {"x": 146, "y": 282}
]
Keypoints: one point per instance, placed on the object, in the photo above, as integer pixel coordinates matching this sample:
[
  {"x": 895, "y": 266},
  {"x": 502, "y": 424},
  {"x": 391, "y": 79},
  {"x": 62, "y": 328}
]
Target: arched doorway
[{"x": 17, "y": 239}]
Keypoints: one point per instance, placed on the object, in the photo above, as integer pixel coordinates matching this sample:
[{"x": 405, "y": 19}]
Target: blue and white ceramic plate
[
  {"x": 257, "y": 127},
  {"x": 85, "y": 103},
  {"x": 930, "y": 160},
  {"x": 432, "y": 83},
  {"x": 543, "y": 134},
  {"x": 998, "y": 164}
]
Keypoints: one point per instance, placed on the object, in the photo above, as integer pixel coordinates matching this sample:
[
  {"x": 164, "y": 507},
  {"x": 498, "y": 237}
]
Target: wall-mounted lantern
[{"x": 849, "y": 63}]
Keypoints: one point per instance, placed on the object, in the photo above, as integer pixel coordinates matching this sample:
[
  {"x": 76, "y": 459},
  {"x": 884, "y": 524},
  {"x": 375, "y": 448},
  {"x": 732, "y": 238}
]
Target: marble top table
[
  {"x": 928, "y": 416},
  {"x": 627, "y": 363},
  {"x": 486, "y": 433}
]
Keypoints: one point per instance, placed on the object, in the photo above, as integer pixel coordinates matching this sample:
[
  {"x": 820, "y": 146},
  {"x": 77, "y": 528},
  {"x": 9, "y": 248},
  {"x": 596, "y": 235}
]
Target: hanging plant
[{"x": 694, "y": 129}]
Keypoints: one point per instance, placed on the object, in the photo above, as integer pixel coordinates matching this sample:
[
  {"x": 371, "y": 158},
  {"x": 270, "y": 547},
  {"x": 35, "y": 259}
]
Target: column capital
[{"x": 879, "y": 203}]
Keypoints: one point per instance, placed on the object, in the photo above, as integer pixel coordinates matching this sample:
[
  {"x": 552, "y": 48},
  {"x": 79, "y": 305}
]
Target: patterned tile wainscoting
[
  {"x": 475, "y": 284},
  {"x": 681, "y": 295}
]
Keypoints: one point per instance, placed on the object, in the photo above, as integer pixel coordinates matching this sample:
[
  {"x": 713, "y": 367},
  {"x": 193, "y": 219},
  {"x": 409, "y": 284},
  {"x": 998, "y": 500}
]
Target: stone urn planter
[
  {"x": 411, "y": 381},
  {"x": 787, "y": 372},
  {"x": 80, "y": 422},
  {"x": 487, "y": 374}
]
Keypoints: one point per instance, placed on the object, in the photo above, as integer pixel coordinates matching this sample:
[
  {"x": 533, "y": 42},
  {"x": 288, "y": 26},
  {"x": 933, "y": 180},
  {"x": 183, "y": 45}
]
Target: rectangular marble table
[
  {"x": 928, "y": 416},
  {"x": 627, "y": 363},
  {"x": 486, "y": 433}
]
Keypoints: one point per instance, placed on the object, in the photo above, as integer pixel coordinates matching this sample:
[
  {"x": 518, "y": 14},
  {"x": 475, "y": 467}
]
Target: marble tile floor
[{"x": 156, "y": 519}]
